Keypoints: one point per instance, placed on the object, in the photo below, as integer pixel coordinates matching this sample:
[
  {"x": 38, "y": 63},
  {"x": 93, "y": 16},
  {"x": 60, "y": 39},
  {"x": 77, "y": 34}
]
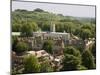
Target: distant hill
[
  {"x": 43, "y": 19},
  {"x": 41, "y": 15},
  {"x": 86, "y": 19}
]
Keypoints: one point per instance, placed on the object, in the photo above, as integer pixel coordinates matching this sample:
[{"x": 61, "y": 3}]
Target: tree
[
  {"x": 71, "y": 62},
  {"x": 81, "y": 67},
  {"x": 77, "y": 32},
  {"x": 85, "y": 34},
  {"x": 72, "y": 51},
  {"x": 87, "y": 26},
  {"x": 14, "y": 42},
  {"x": 21, "y": 10},
  {"x": 87, "y": 31},
  {"x": 16, "y": 28},
  {"x": 60, "y": 27},
  {"x": 93, "y": 49},
  {"x": 21, "y": 47},
  {"x": 34, "y": 25},
  {"x": 69, "y": 27},
  {"x": 31, "y": 64},
  {"x": 72, "y": 59},
  {"x": 46, "y": 67},
  {"x": 45, "y": 26},
  {"x": 26, "y": 30},
  {"x": 48, "y": 46},
  {"x": 39, "y": 10},
  {"x": 88, "y": 59}
]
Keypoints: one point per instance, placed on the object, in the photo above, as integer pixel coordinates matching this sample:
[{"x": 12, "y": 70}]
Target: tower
[{"x": 52, "y": 28}]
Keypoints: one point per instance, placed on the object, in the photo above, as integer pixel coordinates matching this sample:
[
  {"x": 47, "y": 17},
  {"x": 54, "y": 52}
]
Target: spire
[{"x": 52, "y": 28}]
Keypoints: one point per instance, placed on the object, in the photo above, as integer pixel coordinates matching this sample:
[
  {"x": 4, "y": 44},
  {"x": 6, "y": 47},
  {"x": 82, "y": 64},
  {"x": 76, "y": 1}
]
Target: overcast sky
[{"x": 67, "y": 10}]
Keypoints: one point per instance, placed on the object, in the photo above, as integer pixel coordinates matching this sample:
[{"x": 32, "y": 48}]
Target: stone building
[{"x": 37, "y": 40}]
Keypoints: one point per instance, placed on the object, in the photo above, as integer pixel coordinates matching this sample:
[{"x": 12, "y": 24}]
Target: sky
[{"x": 65, "y": 9}]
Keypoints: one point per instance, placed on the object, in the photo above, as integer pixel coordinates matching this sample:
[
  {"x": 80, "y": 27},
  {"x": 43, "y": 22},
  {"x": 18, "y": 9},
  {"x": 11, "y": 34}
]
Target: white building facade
[{"x": 38, "y": 38}]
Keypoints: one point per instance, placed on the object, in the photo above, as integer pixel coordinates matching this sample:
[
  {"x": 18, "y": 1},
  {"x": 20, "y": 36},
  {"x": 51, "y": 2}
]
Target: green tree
[
  {"x": 87, "y": 26},
  {"x": 88, "y": 59},
  {"x": 72, "y": 51},
  {"x": 38, "y": 10},
  {"x": 77, "y": 31},
  {"x": 21, "y": 47},
  {"x": 31, "y": 64},
  {"x": 60, "y": 27},
  {"x": 48, "y": 46},
  {"x": 34, "y": 25},
  {"x": 85, "y": 34},
  {"x": 93, "y": 50},
  {"x": 72, "y": 59},
  {"x": 16, "y": 28},
  {"x": 81, "y": 67},
  {"x": 14, "y": 42},
  {"x": 69, "y": 27},
  {"x": 46, "y": 67},
  {"x": 26, "y": 30},
  {"x": 71, "y": 62},
  {"x": 45, "y": 26}
]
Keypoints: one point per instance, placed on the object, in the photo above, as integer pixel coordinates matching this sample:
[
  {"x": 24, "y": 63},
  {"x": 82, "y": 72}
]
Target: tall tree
[
  {"x": 93, "y": 49},
  {"x": 72, "y": 59},
  {"x": 21, "y": 47},
  {"x": 48, "y": 46},
  {"x": 72, "y": 51},
  {"x": 70, "y": 62},
  {"x": 31, "y": 64},
  {"x": 38, "y": 10},
  {"x": 85, "y": 34},
  {"x": 46, "y": 67},
  {"x": 26, "y": 30},
  {"x": 88, "y": 59},
  {"x": 28, "y": 27},
  {"x": 14, "y": 42}
]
